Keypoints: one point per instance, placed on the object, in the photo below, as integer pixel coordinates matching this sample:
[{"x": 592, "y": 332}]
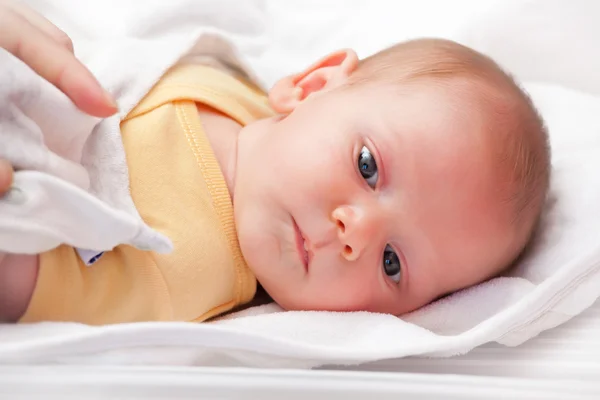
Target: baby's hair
[{"x": 521, "y": 138}]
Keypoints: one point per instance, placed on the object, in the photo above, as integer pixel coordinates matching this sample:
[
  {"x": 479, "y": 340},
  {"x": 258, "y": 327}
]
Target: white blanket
[
  {"x": 558, "y": 279},
  {"x": 74, "y": 185}
]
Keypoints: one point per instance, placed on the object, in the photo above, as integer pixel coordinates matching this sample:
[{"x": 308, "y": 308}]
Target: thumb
[{"x": 6, "y": 176}]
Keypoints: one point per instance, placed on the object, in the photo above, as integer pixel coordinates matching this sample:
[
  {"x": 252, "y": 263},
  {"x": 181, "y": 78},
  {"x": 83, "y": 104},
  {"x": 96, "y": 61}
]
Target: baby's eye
[
  {"x": 368, "y": 167},
  {"x": 391, "y": 264}
]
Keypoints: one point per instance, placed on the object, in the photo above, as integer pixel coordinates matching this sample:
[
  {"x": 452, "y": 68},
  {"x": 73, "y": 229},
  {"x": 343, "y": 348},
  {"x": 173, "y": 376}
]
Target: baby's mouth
[{"x": 301, "y": 245}]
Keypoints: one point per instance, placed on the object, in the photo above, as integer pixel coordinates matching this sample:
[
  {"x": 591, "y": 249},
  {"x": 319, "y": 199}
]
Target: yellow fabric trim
[
  {"x": 216, "y": 311},
  {"x": 209, "y": 86},
  {"x": 188, "y": 117}
]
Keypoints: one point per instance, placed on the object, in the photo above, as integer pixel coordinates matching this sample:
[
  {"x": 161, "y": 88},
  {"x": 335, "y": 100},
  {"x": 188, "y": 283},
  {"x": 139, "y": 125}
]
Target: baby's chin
[{"x": 257, "y": 250}]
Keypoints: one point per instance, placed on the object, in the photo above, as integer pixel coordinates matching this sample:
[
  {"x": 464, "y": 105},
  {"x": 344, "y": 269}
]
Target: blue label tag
[{"x": 89, "y": 257}]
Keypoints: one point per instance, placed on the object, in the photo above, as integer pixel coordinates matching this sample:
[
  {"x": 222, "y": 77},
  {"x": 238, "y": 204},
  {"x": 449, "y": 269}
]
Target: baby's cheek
[
  {"x": 350, "y": 293},
  {"x": 330, "y": 187}
]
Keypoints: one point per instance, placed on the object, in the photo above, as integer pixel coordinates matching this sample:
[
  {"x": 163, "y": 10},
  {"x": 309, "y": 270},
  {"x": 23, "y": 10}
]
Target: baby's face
[{"x": 365, "y": 199}]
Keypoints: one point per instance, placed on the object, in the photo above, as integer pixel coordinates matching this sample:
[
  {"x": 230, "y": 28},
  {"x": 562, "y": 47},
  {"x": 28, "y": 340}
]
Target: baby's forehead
[
  {"x": 441, "y": 131},
  {"x": 442, "y": 105},
  {"x": 435, "y": 112},
  {"x": 476, "y": 106}
]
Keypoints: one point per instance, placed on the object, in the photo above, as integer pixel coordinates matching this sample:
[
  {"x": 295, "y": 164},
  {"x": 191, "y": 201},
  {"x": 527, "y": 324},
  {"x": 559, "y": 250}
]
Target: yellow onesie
[{"x": 179, "y": 190}]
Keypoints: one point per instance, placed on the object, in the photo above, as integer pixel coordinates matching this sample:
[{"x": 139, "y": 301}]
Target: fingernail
[{"x": 110, "y": 100}]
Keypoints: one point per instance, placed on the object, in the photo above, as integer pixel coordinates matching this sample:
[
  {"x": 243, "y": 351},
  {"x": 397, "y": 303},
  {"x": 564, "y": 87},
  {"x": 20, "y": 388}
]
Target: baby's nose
[{"x": 352, "y": 231}]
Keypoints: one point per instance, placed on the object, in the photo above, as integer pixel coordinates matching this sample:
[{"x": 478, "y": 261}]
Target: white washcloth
[
  {"x": 79, "y": 192},
  {"x": 557, "y": 280}
]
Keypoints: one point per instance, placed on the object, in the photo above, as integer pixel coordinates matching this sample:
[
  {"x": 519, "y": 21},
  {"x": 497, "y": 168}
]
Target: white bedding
[{"x": 570, "y": 100}]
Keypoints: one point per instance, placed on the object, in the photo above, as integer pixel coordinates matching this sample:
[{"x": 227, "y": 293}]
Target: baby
[{"x": 380, "y": 185}]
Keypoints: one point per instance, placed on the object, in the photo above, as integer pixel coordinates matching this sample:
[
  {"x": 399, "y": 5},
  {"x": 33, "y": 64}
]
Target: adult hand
[
  {"x": 49, "y": 52},
  {"x": 6, "y": 174}
]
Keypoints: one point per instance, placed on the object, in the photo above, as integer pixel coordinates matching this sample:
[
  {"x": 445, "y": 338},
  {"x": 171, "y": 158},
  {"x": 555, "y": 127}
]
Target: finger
[
  {"x": 40, "y": 22},
  {"x": 6, "y": 176},
  {"x": 54, "y": 63}
]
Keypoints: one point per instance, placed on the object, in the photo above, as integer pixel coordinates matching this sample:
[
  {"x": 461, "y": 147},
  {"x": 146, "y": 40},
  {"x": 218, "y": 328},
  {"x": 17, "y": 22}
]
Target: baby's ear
[{"x": 328, "y": 73}]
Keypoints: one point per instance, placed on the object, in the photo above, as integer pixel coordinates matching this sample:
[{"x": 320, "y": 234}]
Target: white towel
[
  {"x": 79, "y": 192},
  {"x": 557, "y": 280}
]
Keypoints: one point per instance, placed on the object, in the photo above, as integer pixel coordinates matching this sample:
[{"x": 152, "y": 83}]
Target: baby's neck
[{"x": 222, "y": 133}]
